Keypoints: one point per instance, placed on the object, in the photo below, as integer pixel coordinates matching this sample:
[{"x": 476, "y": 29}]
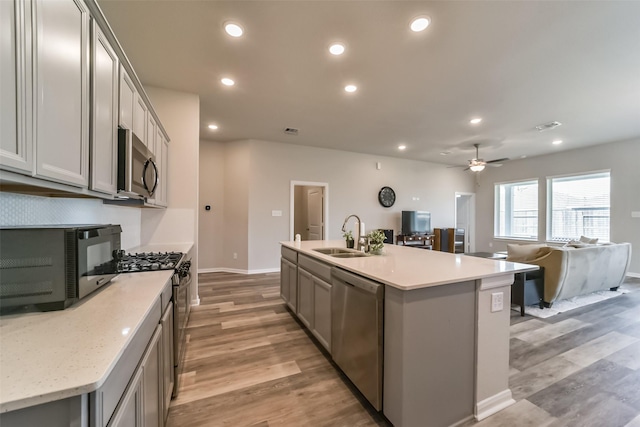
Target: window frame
[
  {"x": 549, "y": 208},
  {"x": 496, "y": 207}
]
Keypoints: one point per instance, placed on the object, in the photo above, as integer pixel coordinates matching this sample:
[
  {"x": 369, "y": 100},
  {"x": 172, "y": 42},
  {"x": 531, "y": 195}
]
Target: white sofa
[{"x": 572, "y": 271}]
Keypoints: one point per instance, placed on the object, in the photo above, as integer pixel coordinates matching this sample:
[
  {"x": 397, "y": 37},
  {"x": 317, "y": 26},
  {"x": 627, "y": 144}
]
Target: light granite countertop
[
  {"x": 59, "y": 354},
  {"x": 409, "y": 268}
]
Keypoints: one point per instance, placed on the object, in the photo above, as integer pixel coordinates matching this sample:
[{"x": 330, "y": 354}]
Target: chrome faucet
[{"x": 359, "y": 244}]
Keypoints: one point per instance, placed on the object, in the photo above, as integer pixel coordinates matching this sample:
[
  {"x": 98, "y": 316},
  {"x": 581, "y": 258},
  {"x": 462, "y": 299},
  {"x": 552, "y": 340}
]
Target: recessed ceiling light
[
  {"x": 475, "y": 121},
  {"x": 402, "y": 147},
  {"x": 350, "y": 88},
  {"x": 233, "y": 29},
  {"x": 213, "y": 127},
  {"x": 556, "y": 142},
  {"x": 227, "y": 81},
  {"x": 420, "y": 23},
  {"x": 336, "y": 49}
]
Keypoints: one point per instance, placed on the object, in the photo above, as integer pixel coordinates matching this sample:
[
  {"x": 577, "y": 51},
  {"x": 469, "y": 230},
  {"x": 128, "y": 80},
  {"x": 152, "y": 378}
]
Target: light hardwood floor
[{"x": 250, "y": 363}]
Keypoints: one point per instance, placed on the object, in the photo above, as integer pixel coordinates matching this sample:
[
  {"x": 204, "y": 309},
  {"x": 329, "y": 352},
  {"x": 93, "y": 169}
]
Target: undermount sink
[{"x": 341, "y": 252}]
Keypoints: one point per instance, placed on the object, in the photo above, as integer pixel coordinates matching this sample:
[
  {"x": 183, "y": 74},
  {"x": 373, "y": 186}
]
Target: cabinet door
[
  {"x": 104, "y": 114},
  {"x": 129, "y": 411},
  {"x": 127, "y": 99},
  {"x": 152, "y": 374},
  {"x": 284, "y": 279},
  {"x": 305, "y": 297},
  {"x": 168, "y": 379},
  {"x": 162, "y": 157},
  {"x": 15, "y": 151},
  {"x": 61, "y": 95},
  {"x": 140, "y": 118},
  {"x": 293, "y": 286},
  {"x": 322, "y": 312},
  {"x": 151, "y": 133}
]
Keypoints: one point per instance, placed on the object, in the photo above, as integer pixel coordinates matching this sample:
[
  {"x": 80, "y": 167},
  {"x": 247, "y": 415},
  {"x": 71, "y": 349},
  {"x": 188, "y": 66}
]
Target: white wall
[
  {"x": 179, "y": 113},
  {"x": 211, "y": 188},
  {"x": 620, "y": 157},
  {"x": 258, "y": 177}
]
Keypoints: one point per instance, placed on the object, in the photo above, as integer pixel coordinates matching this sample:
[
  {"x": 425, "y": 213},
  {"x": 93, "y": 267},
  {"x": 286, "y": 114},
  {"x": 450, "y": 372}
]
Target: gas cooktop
[{"x": 148, "y": 261}]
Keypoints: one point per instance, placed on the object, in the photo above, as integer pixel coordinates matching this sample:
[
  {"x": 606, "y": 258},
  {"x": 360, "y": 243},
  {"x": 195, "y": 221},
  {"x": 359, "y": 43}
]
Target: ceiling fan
[{"x": 477, "y": 164}]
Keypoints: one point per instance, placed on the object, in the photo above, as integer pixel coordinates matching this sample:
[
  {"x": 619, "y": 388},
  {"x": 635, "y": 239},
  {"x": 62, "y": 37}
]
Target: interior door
[{"x": 315, "y": 209}]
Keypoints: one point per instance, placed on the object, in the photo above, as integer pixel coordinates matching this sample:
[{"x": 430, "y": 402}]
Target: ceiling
[{"x": 515, "y": 64}]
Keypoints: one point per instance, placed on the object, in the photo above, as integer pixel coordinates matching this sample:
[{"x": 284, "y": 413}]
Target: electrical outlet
[
  {"x": 235, "y": 255},
  {"x": 497, "y": 301}
]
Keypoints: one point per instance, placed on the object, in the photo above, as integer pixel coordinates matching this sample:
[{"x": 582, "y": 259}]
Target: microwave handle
[{"x": 148, "y": 163}]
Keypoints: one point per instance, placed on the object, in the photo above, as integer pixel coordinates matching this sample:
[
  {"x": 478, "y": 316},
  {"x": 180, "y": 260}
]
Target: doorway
[
  {"x": 309, "y": 210},
  {"x": 465, "y": 218}
]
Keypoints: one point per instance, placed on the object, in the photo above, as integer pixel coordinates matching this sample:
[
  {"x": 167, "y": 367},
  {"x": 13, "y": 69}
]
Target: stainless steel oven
[{"x": 182, "y": 309}]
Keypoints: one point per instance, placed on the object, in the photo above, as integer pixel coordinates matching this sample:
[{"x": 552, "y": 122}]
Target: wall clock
[{"x": 387, "y": 197}]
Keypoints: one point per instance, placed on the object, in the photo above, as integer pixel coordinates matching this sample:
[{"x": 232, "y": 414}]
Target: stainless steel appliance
[
  {"x": 137, "y": 169},
  {"x": 357, "y": 331},
  {"x": 47, "y": 268},
  {"x": 181, "y": 281}
]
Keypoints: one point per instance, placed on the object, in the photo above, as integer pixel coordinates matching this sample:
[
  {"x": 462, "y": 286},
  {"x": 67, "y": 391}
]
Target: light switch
[{"x": 276, "y": 213}]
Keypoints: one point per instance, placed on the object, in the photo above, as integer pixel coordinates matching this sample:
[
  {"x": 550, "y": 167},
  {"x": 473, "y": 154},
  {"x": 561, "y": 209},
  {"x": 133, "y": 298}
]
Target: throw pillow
[
  {"x": 523, "y": 253},
  {"x": 584, "y": 239}
]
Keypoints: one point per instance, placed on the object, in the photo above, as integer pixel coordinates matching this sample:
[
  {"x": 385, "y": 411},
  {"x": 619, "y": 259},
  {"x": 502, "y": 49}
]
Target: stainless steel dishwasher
[{"x": 357, "y": 331}]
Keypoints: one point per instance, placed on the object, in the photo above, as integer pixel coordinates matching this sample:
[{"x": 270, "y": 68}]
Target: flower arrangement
[
  {"x": 348, "y": 236},
  {"x": 376, "y": 241}
]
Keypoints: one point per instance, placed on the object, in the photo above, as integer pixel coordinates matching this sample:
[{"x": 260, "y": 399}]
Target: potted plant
[
  {"x": 349, "y": 238},
  {"x": 376, "y": 242}
]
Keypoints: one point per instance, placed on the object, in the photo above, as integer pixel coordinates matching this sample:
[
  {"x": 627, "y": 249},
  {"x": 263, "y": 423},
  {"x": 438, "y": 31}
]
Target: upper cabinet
[
  {"x": 127, "y": 99},
  {"x": 61, "y": 90},
  {"x": 104, "y": 114},
  {"x": 15, "y": 152},
  {"x": 66, "y": 86}
]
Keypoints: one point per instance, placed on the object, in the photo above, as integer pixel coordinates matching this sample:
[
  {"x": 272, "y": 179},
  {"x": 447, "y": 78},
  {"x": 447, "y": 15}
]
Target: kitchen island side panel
[{"x": 429, "y": 355}]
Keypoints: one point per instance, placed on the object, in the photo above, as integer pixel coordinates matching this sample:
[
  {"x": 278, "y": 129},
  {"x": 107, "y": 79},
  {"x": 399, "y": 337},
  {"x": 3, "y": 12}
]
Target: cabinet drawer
[
  {"x": 289, "y": 254},
  {"x": 317, "y": 268},
  {"x": 167, "y": 293}
]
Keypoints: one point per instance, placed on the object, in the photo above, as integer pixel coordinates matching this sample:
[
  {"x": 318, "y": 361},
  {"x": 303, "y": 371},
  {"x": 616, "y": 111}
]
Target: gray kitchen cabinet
[
  {"x": 152, "y": 387},
  {"x": 168, "y": 379},
  {"x": 61, "y": 91},
  {"x": 127, "y": 99},
  {"x": 289, "y": 278},
  {"x": 314, "y": 300},
  {"x": 305, "y": 297},
  {"x": 104, "y": 114},
  {"x": 322, "y": 312},
  {"x": 129, "y": 413},
  {"x": 16, "y": 153},
  {"x": 140, "y": 111},
  {"x": 151, "y": 133}
]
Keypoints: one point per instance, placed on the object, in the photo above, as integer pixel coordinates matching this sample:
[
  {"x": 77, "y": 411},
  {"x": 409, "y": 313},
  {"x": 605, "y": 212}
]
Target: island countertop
[
  {"x": 409, "y": 268},
  {"x": 54, "y": 355}
]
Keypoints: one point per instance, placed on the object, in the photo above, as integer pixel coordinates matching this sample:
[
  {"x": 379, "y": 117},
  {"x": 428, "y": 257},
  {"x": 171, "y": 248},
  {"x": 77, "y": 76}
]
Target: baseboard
[
  {"x": 636, "y": 275},
  {"x": 493, "y": 404},
  {"x": 238, "y": 271}
]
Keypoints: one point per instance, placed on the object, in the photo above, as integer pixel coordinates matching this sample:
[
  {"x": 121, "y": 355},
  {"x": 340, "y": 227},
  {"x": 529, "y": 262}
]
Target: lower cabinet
[
  {"x": 129, "y": 413},
  {"x": 289, "y": 278},
  {"x": 168, "y": 379},
  {"x": 314, "y": 298}
]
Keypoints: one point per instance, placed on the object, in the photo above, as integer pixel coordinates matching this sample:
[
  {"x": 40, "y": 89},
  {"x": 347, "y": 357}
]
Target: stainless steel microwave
[
  {"x": 44, "y": 268},
  {"x": 137, "y": 169}
]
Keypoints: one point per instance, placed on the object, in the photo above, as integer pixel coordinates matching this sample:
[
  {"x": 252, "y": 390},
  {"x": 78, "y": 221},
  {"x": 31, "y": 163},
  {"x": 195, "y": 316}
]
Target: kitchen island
[{"x": 446, "y": 349}]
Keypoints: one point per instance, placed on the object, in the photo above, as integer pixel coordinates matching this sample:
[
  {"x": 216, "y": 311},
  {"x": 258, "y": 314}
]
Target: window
[
  {"x": 517, "y": 210},
  {"x": 578, "y": 206}
]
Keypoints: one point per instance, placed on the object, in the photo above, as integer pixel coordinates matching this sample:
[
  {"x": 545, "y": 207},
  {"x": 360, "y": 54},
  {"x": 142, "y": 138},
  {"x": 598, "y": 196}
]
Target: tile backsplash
[{"x": 21, "y": 209}]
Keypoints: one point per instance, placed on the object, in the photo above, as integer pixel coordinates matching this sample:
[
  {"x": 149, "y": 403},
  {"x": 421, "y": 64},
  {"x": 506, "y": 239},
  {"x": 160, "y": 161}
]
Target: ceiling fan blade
[
  {"x": 494, "y": 165},
  {"x": 456, "y": 166},
  {"x": 498, "y": 160}
]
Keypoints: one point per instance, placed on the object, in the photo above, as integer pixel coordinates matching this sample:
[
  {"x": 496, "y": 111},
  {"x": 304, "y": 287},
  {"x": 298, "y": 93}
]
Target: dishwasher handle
[{"x": 356, "y": 281}]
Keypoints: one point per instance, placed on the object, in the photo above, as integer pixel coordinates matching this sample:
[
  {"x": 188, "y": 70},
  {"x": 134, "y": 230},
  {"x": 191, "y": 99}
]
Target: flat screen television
[{"x": 416, "y": 222}]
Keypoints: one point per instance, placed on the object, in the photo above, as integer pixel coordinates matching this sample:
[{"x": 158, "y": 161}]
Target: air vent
[
  {"x": 547, "y": 126},
  {"x": 291, "y": 131}
]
